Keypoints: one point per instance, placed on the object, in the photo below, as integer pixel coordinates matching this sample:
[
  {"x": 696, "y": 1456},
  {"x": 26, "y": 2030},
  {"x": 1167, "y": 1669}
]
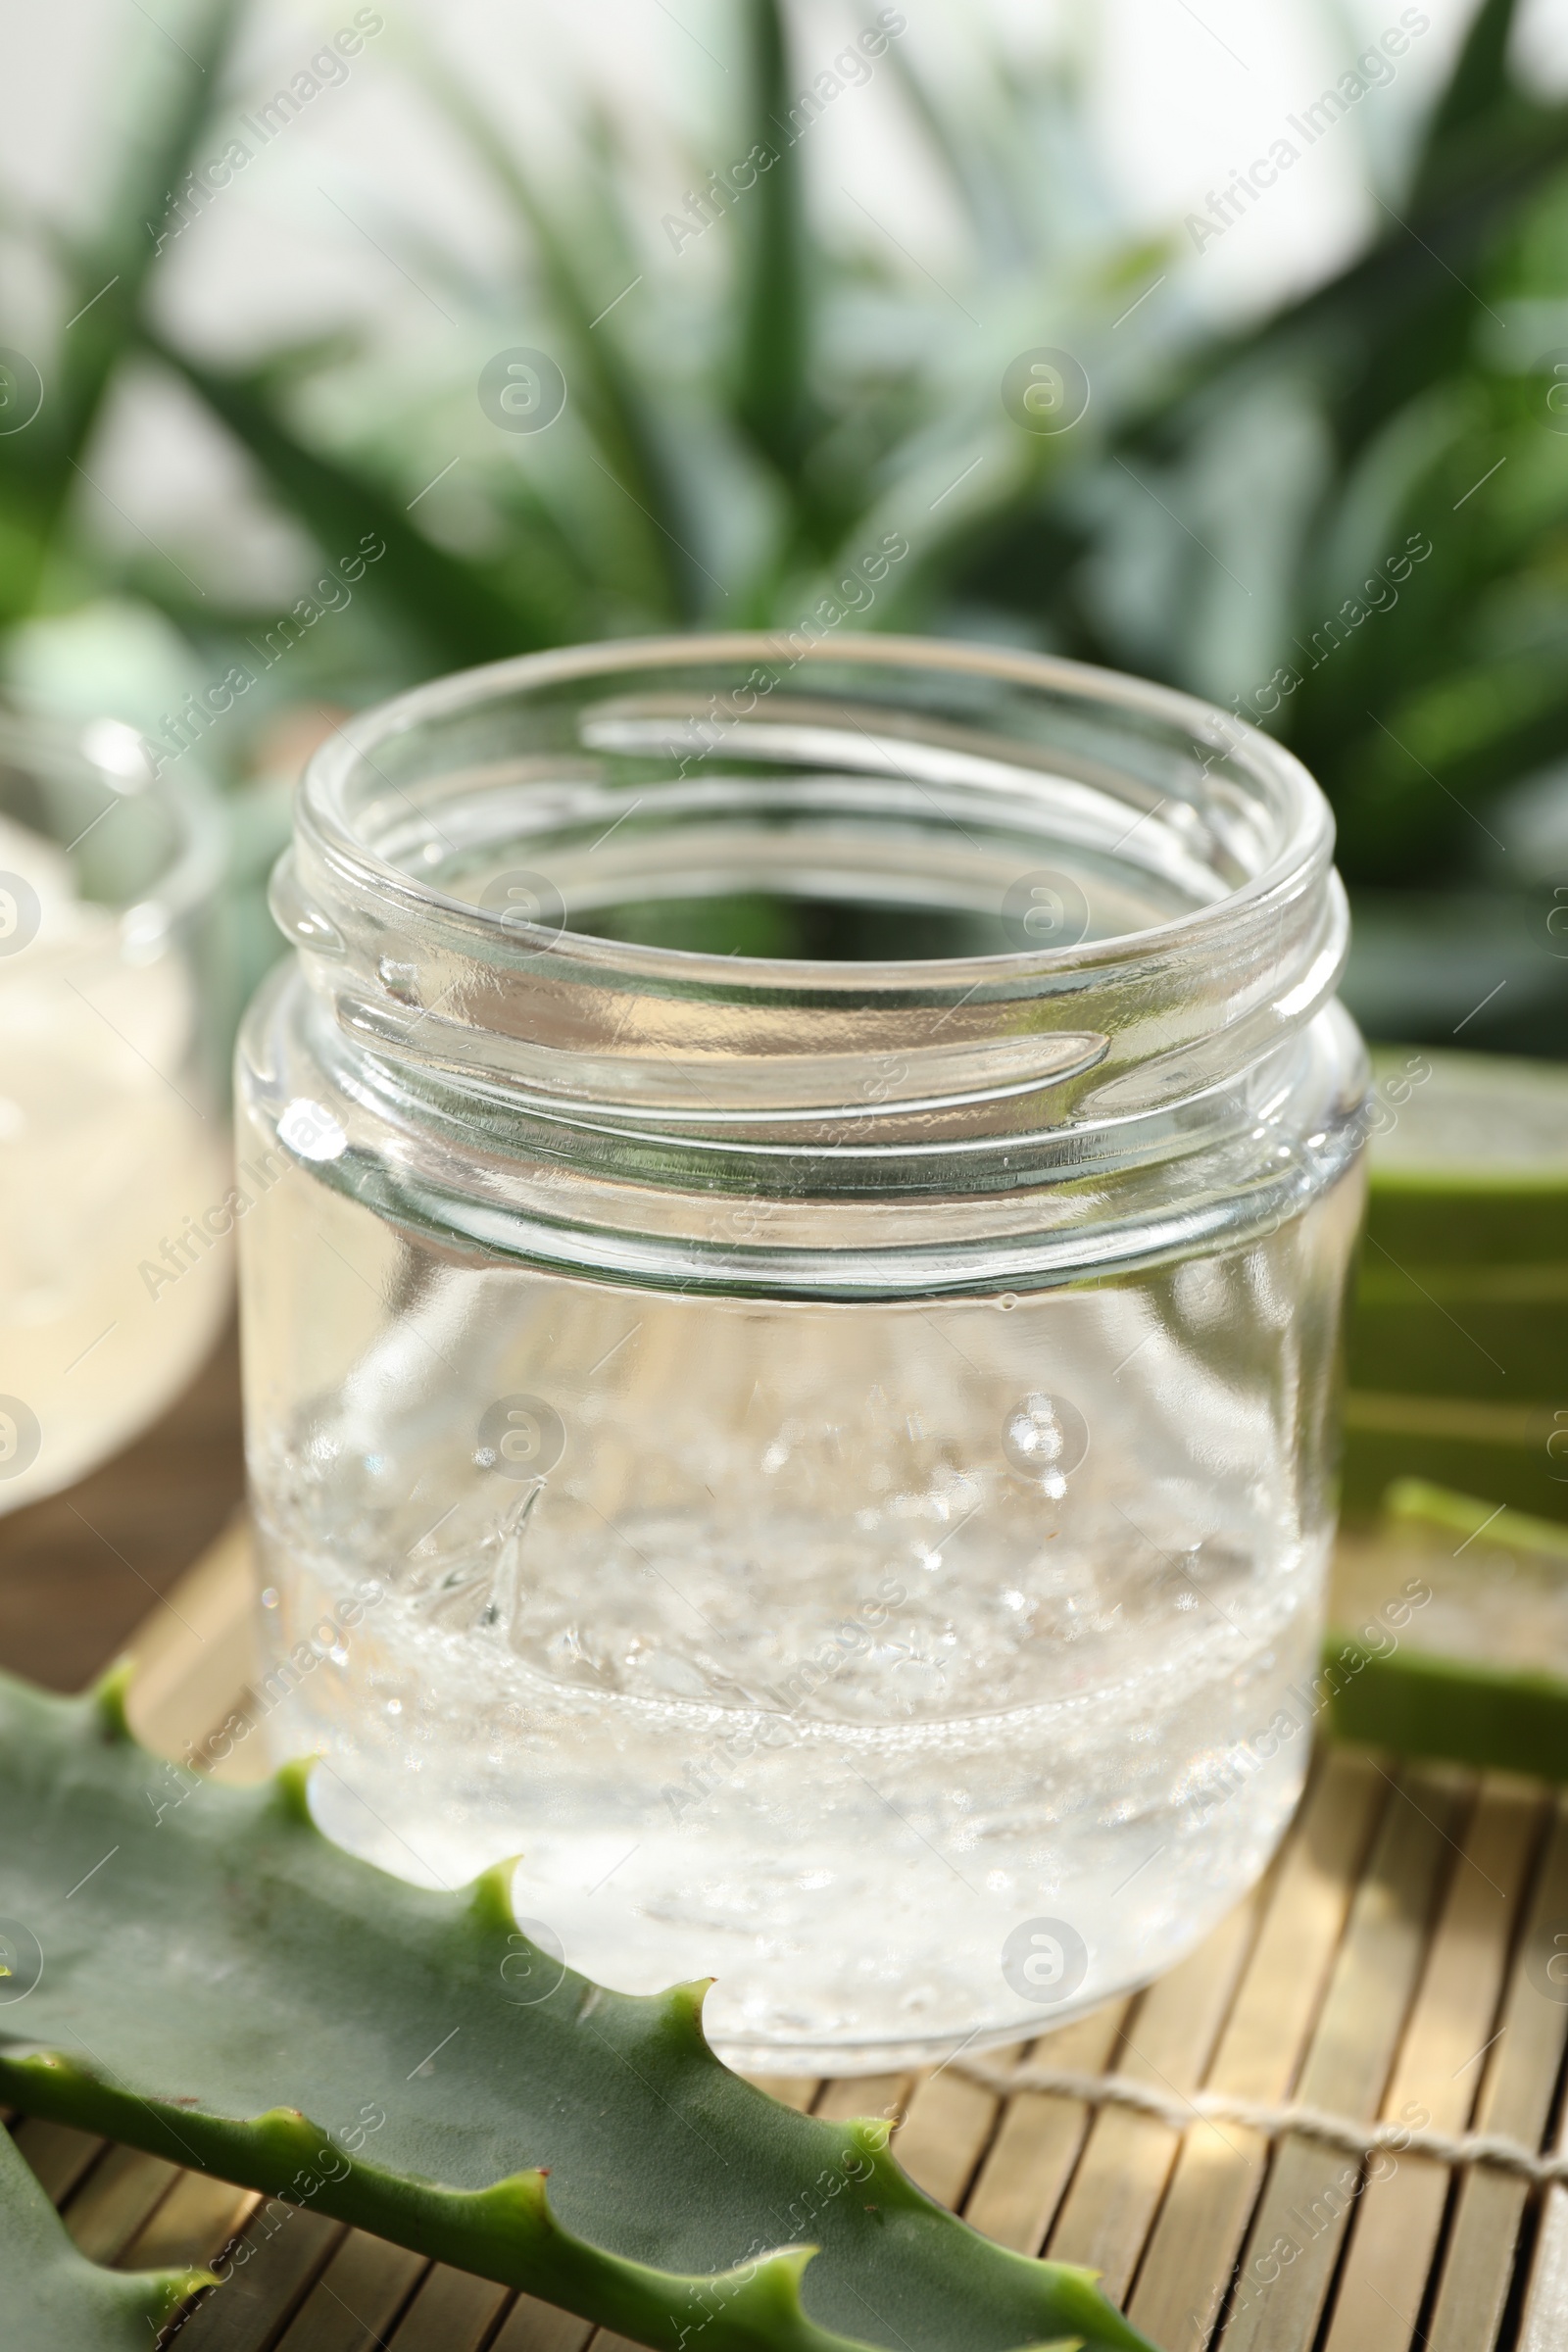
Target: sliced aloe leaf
[
  {"x": 1415, "y": 1504},
  {"x": 1469, "y": 1167},
  {"x": 1517, "y": 1452},
  {"x": 1454, "y": 1634},
  {"x": 220, "y": 1985},
  {"x": 1425, "y": 1705},
  {"x": 1499, "y": 1334},
  {"x": 53, "y": 2299}
]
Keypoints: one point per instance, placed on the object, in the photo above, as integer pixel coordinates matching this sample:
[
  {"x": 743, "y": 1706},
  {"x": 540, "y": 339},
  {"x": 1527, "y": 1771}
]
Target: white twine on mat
[{"x": 1254, "y": 2115}]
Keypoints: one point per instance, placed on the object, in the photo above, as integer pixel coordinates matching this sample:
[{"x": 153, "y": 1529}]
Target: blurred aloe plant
[{"x": 737, "y": 434}]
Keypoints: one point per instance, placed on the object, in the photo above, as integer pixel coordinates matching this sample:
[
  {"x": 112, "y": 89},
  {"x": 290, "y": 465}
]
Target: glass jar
[
  {"x": 114, "y": 1141},
  {"x": 790, "y": 1333}
]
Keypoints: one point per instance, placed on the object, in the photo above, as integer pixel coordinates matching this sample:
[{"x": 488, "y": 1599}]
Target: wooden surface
[{"x": 1392, "y": 1964}]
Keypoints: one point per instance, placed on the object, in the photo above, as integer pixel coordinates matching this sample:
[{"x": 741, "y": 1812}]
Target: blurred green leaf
[
  {"x": 743, "y": 417},
  {"x": 456, "y": 607},
  {"x": 619, "y": 416},
  {"x": 771, "y": 397},
  {"x": 1479, "y": 87},
  {"x": 104, "y": 272}
]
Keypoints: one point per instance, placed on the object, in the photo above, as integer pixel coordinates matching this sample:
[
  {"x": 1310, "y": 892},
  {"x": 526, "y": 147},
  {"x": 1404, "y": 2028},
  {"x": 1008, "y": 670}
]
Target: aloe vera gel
[
  {"x": 789, "y": 1360},
  {"x": 115, "y": 1174}
]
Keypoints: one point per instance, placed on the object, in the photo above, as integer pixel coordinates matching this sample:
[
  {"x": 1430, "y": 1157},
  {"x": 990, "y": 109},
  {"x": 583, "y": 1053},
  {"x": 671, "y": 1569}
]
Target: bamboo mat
[{"x": 1392, "y": 1964}]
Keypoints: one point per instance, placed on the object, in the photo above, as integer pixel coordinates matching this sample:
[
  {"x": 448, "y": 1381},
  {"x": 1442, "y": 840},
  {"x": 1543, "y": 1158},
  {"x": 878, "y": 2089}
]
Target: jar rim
[
  {"x": 973, "y": 768},
  {"x": 1305, "y": 820}
]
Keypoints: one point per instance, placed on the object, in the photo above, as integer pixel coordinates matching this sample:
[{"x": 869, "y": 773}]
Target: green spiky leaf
[
  {"x": 51, "y": 2296},
  {"x": 614, "y": 402},
  {"x": 223, "y": 1987},
  {"x": 460, "y": 605},
  {"x": 771, "y": 396}
]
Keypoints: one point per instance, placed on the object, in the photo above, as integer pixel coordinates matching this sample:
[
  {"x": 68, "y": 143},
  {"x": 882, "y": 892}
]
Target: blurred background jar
[
  {"x": 790, "y": 1333},
  {"x": 115, "y": 1165}
]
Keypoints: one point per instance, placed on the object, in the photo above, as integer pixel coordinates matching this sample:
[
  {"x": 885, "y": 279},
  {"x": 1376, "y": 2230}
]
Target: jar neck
[{"x": 460, "y": 854}]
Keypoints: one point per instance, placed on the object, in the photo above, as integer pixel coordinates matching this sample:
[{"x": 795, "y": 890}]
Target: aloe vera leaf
[
  {"x": 772, "y": 400},
  {"x": 1457, "y": 1331},
  {"x": 1470, "y": 1172},
  {"x": 214, "y": 1972},
  {"x": 988, "y": 174},
  {"x": 456, "y": 606},
  {"x": 1398, "y": 314},
  {"x": 53, "y": 2298},
  {"x": 171, "y": 99},
  {"x": 1415, "y": 1502},
  {"x": 174, "y": 97},
  {"x": 1499, "y": 1450},
  {"x": 1472, "y": 1682},
  {"x": 620, "y": 418},
  {"x": 1463, "y": 1709},
  {"x": 1479, "y": 84}
]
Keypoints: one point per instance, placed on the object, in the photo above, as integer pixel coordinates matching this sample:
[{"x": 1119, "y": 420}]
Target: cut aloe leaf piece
[
  {"x": 53, "y": 2299},
  {"x": 218, "y": 1984},
  {"x": 1451, "y": 1634},
  {"x": 1419, "y": 1704},
  {"x": 1517, "y": 1452},
  {"x": 1496, "y": 1333},
  {"x": 1416, "y": 1508},
  {"x": 1469, "y": 1165}
]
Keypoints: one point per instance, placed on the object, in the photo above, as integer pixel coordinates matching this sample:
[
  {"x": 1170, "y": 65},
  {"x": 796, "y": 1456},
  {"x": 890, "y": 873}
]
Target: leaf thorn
[
  {"x": 490, "y": 1896},
  {"x": 291, "y": 1791},
  {"x": 109, "y": 1696}
]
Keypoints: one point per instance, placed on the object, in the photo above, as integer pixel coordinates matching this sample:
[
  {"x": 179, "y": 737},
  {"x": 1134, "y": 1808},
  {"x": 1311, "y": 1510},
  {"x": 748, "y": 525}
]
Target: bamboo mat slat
[
  {"x": 196, "y": 2212},
  {"x": 1127, "y": 2158},
  {"x": 1200, "y": 2232},
  {"x": 259, "y": 2295},
  {"x": 359, "y": 2297},
  {"x": 1521, "y": 2069},
  {"x": 1394, "y": 1963},
  {"x": 945, "y": 2133},
  {"x": 452, "y": 2312},
  {"x": 1399, "y": 2216},
  {"x": 59, "y": 2155},
  {"x": 1546, "y": 2317},
  {"x": 1300, "y": 2225},
  {"x": 118, "y": 2197},
  {"x": 1022, "y": 2180},
  {"x": 532, "y": 2326}
]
